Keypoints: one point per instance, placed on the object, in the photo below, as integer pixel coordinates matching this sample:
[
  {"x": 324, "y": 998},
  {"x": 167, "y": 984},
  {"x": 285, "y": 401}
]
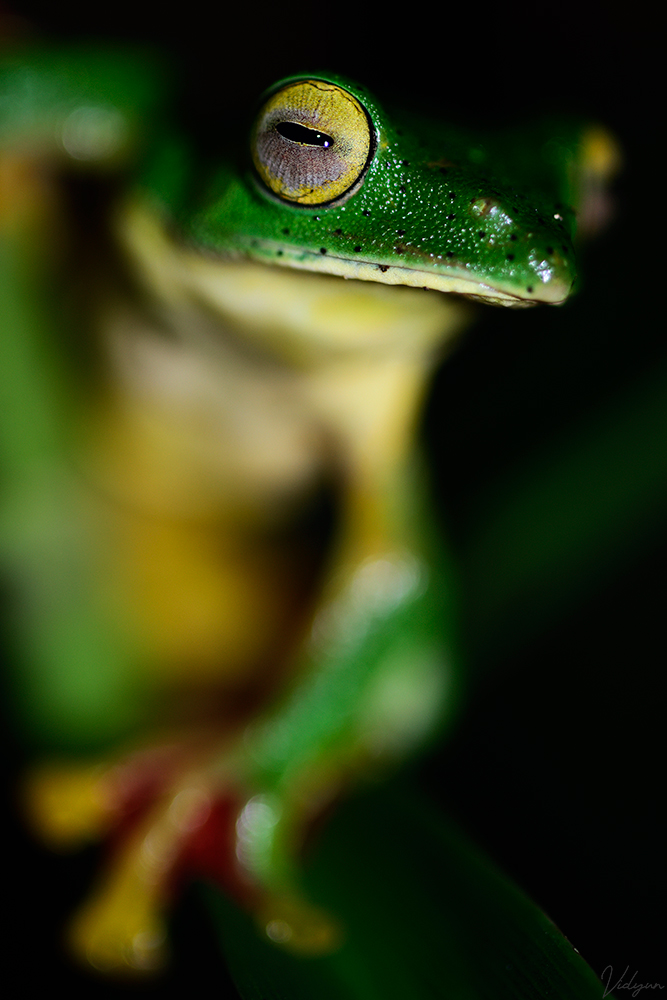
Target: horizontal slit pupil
[{"x": 303, "y": 135}]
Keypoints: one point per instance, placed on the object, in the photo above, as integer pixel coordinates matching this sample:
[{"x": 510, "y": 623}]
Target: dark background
[{"x": 555, "y": 767}]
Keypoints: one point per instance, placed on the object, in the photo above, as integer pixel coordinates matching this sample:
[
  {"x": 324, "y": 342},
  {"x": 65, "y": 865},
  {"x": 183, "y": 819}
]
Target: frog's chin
[{"x": 554, "y": 291}]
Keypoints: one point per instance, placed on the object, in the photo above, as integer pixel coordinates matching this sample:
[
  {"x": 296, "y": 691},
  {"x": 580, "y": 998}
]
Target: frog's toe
[
  {"x": 119, "y": 941},
  {"x": 68, "y": 804},
  {"x": 298, "y": 926}
]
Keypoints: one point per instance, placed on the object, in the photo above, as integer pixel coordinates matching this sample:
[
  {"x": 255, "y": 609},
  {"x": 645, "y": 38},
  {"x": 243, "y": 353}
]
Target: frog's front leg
[{"x": 377, "y": 672}]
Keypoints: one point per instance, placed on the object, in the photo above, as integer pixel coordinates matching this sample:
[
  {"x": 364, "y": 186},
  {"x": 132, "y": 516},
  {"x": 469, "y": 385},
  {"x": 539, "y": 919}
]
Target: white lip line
[{"x": 475, "y": 286}]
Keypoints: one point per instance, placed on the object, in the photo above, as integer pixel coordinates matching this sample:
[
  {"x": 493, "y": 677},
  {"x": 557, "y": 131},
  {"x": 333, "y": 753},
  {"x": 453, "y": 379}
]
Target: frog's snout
[{"x": 553, "y": 277}]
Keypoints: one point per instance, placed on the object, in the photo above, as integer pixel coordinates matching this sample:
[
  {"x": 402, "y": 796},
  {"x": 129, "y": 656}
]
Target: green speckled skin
[{"x": 435, "y": 201}]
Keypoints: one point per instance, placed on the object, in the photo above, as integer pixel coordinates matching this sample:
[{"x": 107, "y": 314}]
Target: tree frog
[{"x": 216, "y": 518}]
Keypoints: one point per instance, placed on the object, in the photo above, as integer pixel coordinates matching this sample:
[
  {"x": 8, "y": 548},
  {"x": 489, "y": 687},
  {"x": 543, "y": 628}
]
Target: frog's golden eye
[{"x": 312, "y": 143}]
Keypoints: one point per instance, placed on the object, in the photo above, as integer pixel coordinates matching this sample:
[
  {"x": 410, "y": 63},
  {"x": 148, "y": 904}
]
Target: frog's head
[{"x": 337, "y": 186}]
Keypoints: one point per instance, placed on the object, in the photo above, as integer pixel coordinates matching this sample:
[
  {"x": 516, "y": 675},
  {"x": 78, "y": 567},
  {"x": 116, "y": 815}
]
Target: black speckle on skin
[
  {"x": 452, "y": 196},
  {"x": 400, "y": 232},
  {"x": 406, "y": 163},
  {"x": 357, "y": 249},
  {"x": 510, "y": 256},
  {"x": 451, "y": 216},
  {"x": 338, "y": 232},
  {"x": 279, "y": 253},
  {"x": 564, "y": 248},
  {"x": 550, "y": 250},
  {"x": 285, "y": 232},
  {"x": 514, "y": 237},
  {"x": 402, "y": 188},
  {"x": 529, "y": 289},
  {"x": 323, "y": 250},
  {"x": 366, "y": 212},
  {"x": 383, "y": 267},
  {"x": 449, "y": 253},
  {"x": 443, "y": 170},
  {"x": 482, "y": 234}
]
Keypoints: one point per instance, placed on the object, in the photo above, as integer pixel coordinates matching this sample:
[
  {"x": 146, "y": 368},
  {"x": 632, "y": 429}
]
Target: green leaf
[{"x": 425, "y": 916}]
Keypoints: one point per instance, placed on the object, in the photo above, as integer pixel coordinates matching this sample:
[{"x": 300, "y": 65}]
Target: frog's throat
[
  {"x": 296, "y": 311},
  {"x": 554, "y": 291}
]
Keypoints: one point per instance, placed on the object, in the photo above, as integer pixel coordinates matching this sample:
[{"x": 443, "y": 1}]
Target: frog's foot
[
  {"x": 121, "y": 929},
  {"x": 166, "y": 821}
]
